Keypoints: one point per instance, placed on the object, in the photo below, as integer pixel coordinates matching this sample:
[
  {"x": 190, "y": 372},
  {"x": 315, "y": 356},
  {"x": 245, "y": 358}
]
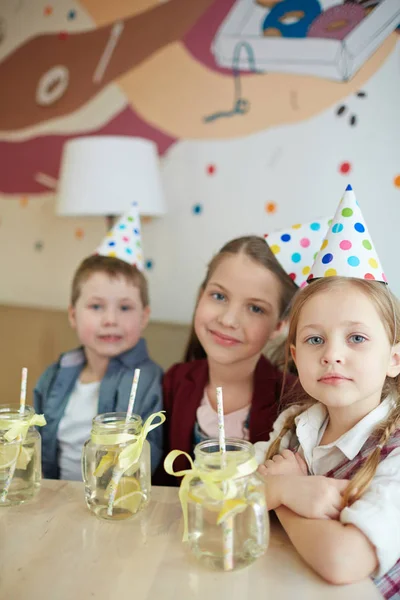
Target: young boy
[{"x": 109, "y": 310}]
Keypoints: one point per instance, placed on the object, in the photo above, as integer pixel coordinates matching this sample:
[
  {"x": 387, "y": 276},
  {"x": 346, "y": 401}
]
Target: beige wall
[{"x": 34, "y": 338}]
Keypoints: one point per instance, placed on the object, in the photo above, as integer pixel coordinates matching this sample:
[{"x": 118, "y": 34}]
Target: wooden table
[{"x": 53, "y": 548}]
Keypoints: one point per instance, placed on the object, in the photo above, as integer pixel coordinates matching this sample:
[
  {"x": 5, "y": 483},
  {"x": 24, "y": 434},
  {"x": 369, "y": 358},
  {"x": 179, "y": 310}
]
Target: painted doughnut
[
  {"x": 52, "y": 85},
  {"x": 291, "y": 18},
  {"x": 337, "y": 22}
]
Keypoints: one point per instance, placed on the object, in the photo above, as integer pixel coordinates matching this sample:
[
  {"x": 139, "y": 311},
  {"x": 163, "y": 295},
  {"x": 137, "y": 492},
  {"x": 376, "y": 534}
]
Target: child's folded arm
[{"x": 339, "y": 553}]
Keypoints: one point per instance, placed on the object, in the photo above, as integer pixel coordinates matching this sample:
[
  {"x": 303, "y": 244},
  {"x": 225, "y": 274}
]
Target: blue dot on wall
[
  {"x": 296, "y": 257},
  {"x": 285, "y": 237},
  {"x": 197, "y": 209},
  {"x": 71, "y": 14},
  {"x": 149, "y": 264},
  {"x": 315, "y": 226}
]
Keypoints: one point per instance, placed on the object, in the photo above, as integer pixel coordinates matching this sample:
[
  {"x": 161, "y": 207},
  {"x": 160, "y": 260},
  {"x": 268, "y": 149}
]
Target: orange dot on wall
[
  {"x": 23, "y": 201},
  {"x": 48, "y": 10},
  {"x": 79, "y": 233},
  {"x": 396, "y": 181},
  {"x": 270, "y": 207}
]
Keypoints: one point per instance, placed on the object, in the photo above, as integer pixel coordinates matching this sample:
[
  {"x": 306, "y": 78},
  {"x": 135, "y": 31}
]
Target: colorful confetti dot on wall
[
  {"x": 344, "y": 168},
  {"x": 71, "y": 14},
  {"x": 197, "y": 209},
  {"x": 63, "y": 35},
  {"x": 23, "y": 201},
  {"x": 48, "y": 10},
  {"x": 149, "y": 264},
  {"x": 211, "y": 169},
  {"x": 270, "y": 208},
  {"x": 79, "y": 233},
  {"x": 396, "y": 181},
  {"x": 38, "y": 246}
]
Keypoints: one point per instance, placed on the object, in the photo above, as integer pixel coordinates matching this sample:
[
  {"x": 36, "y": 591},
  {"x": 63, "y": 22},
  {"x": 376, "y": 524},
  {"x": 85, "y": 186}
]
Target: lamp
[{"x": 102, "y": 175}]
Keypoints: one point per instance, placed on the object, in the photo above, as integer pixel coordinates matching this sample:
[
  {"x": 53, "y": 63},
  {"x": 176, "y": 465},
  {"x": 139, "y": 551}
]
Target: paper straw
[
  {"x": 117, "y": 473},
  {"x": 133, "y": 394},
  {"x": 227, "y": 526},
  {"x": 22, "y": 400}
]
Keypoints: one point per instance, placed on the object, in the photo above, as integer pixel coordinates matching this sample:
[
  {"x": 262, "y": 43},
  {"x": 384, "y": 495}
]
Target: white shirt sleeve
[
  {"x": 377, "y": 512},
  {"x": 261, "y": 448}
]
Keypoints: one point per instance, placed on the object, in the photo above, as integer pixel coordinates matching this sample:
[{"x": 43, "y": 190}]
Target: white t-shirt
[
  {"x": 377, "y": 512},
  {"x": 75, "y": 427}
]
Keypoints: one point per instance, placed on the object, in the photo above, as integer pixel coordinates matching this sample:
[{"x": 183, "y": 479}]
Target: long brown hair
[
  {"x": 257, "y": 249},
  {"x": 388, "y": 309}
]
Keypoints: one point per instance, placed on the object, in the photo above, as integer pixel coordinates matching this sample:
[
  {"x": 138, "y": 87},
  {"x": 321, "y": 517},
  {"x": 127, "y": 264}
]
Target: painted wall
[{"x": 251, "y": 140}]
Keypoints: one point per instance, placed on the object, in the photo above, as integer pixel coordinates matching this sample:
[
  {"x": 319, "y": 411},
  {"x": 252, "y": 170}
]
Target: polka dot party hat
[
  {"x": 295, "y": 247},
  {"x": 347, "y": 250},
  {"x": 123, "y": 240}
]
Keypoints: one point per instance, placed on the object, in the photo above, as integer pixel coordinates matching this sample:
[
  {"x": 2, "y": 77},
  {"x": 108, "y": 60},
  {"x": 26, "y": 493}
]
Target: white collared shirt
[{"x": 377, "y": 513}]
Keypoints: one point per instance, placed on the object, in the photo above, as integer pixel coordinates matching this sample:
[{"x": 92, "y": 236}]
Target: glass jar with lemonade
[
  {"x": 116, "y": 467},
  {"x": 20, "y": 454},
  {"x": 228, "y": 526}
]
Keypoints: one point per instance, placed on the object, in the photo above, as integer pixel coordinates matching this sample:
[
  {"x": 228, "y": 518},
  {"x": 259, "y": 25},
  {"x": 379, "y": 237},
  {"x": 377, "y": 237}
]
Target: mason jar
[
  {"x": 20, "y": 458},
  {"x": 228, "y": 525},
  {"x": 116, "y": 467}
]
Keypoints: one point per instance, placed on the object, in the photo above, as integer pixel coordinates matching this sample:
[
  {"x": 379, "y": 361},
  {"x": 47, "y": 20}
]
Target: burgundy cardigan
[{"x": 183, "y": 390}]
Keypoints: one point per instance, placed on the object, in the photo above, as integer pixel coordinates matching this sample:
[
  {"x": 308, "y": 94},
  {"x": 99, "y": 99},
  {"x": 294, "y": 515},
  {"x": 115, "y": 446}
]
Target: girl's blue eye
[
  {"x": 126, "y": 307},
  {"x": 218, "y": 296},
  {"x": 357, "y": 338},
  {"x": 95, "y": 306},
  {"x": 315, "y": 340},
  {"x": 256, "y": 309}
]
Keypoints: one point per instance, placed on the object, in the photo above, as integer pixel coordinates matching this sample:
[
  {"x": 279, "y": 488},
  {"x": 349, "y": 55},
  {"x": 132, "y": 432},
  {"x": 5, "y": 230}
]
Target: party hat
[
  {"x": 123, "y": 240},
  {"x": 347, "y": 250},
  {"x": 295, "y": 247}
]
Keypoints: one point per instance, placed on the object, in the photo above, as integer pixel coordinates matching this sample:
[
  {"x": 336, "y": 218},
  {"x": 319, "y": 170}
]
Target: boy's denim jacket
[{"x": 54, "y": 387}]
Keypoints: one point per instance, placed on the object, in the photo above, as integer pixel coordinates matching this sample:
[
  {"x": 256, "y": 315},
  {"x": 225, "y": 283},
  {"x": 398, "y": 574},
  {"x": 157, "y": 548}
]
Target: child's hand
[
  {"x": 314, "y": 497},
  {"x": 285, "y": 463}
]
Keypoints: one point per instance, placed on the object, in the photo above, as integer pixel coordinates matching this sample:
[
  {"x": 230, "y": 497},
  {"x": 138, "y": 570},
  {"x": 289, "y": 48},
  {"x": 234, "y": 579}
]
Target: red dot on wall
[
  {"x": 63, "y": 35},
  {"x": 211, "y": 169},
  {"x": 345, "y": 167}
]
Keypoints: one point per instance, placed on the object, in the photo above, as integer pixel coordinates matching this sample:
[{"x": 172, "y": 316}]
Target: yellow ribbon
[
  {"x": 211, "y": 479},
  {"x": 131, "y": 454},
  {"x": 20, "y": 427}
]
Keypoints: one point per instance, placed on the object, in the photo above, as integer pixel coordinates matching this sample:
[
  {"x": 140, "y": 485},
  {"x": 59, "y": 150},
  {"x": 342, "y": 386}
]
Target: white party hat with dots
[
  {"x": 124, "y": 240},
  {"x": 347, "y": 250},
  {"x": 297, "y": 246}
]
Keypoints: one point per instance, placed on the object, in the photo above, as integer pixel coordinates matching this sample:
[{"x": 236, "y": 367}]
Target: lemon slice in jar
[
  {"x": 8, "y": 455},
  {"x": 129, "y": 495},
  {"x": 200, "y": 496},
  {"x": 230, "y": 509},
  {"x": 106, "y": 461}
]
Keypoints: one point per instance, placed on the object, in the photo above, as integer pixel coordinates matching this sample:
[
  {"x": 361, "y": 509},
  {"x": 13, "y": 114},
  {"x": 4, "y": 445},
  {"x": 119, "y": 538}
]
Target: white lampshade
[{"x": 103, "y": 175}]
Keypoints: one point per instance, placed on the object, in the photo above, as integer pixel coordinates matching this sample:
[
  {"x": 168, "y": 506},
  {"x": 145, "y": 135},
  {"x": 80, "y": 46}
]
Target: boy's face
[{"x": 108, "y": 316}]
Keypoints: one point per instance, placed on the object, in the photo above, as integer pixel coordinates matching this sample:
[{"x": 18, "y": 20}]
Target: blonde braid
[
  {"x": 364, "y": 476},
  {"x": 288, "y": 425}
]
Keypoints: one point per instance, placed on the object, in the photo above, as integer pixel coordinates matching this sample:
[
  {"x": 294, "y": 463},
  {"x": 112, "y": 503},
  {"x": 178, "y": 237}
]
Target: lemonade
[
  {"x": 20, "y": 461},
  {"x": 100, "y": 465},
  {"x": 243, "y": 509}
]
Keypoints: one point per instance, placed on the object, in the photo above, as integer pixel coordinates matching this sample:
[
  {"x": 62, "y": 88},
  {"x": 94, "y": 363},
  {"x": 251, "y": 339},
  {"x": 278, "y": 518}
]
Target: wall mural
[
  {"x": 263, "y": 111},
  {"x": 204, "y": 69}
]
